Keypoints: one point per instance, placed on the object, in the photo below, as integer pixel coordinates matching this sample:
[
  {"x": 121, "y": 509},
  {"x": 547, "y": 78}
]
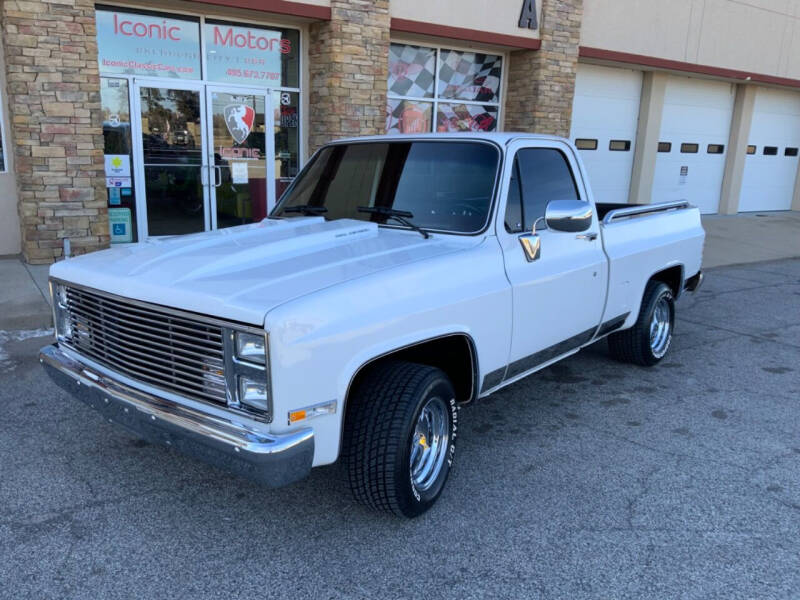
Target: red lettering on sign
[
  {"x": 143, "y": 30},
  {"x": 251, "y": 40}
]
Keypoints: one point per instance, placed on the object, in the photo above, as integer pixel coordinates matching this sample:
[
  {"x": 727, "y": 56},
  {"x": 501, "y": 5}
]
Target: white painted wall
[{"x": 759, "y": 36}]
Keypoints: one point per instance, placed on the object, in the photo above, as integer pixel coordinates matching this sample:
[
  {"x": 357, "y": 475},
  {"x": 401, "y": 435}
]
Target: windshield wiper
[
  {"x": 306, "y": 209},
  {"x": 402, "y": 216}
]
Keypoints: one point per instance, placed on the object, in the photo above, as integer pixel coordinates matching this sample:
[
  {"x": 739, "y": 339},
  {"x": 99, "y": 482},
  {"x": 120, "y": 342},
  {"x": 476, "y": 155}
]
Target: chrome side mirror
[
  {"x": 568, "y": 215},
  {"x": 532, "y": 243}
]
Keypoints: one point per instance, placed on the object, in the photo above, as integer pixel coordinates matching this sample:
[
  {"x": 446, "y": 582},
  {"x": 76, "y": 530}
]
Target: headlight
[
  {"x": 247, "y": 372},
  {"x": 251, "y": 347},
  {"x": 253, "y": 393}
]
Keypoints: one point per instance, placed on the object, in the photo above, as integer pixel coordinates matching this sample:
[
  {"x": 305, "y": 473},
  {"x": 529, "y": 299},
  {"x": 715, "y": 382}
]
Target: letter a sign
[{"x": 527, "y": 18}]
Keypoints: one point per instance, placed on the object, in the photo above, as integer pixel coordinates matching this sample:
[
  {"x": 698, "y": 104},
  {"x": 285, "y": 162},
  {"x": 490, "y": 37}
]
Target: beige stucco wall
[
  {"x": 9, "y": 216},
  {"x": 758, "y": 36},
  {"x": 501, "y": 16}
]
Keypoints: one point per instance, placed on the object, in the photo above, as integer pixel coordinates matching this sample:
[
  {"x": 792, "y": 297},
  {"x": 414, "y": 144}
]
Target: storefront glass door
[
  {"x": 204, "y": 159},
  {"x": 241, "y": 133},
  {"x": 173, "y": 168}
]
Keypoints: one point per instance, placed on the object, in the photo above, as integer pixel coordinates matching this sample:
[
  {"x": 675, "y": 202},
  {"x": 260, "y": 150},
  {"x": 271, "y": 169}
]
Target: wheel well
[
  {"x": 673, "y": 277},
  {"x": 453, "y": 354}
]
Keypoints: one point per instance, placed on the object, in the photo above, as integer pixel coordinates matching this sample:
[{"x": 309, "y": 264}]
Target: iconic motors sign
[
  {"x": 161, "y": 46},
  {"x": 155, "y": 46},
  {"x": 244, "y": 54}
]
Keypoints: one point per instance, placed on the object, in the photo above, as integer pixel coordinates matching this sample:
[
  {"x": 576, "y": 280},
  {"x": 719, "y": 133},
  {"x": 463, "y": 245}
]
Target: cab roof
[{"x": 501, "y": 138}]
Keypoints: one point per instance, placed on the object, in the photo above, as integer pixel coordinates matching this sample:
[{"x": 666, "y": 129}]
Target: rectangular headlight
[
  {"x": 251, "y": 348},
  {"x": 253, "y": 393}
]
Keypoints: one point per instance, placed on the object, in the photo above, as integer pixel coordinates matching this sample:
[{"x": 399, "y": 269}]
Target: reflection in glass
[
  {"x": 446, "y": 186},
  {"x": 286, "y": 106},
  {"x": 252, "y": 55},
  {"x": 411, "y": 70},
  {"x": 152, "y": 44},
  {"x": 240, "y": 163},
  {"x": 121, "y": 195},
  {"x": 408, "y": 116},
  {"x": 469, "y": 76},
  {"x": 465, "y": 117},
  {"x": 172, "y": 140}
]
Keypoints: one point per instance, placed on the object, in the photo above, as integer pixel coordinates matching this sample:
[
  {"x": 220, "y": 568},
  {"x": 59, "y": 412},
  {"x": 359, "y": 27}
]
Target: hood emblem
[{"x": 239, "y": 120}]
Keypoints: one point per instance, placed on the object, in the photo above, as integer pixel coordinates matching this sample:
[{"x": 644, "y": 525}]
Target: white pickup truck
[{"x": 397, "y": 279}]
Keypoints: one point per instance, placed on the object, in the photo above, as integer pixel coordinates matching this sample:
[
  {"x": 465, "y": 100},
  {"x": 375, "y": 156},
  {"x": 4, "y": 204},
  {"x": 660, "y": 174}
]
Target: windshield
[{"x": 444, "y": 185}]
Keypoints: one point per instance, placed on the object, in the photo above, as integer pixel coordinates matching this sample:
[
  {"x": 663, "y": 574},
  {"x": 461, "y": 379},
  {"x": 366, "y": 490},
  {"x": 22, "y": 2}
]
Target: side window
[
  {"x": 514, "y": 202},
  {"x": 545, "y": 175}
]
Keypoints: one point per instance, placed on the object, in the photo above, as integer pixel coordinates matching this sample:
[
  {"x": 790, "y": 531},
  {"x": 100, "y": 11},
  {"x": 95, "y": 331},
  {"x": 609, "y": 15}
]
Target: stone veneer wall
[
  {"x": 349, "y": 67},
  {"x": 541, "y": 83},
  {"x": 54, "y": 105}
]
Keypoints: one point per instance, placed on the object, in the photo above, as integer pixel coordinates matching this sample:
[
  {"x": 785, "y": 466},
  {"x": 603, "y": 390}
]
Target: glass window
[
  {"x": 252, "y": 55},
  {"x": 770, "y": 150},
  {"x": 445, "y": 186},
  {"x": 716, "y": 148},
  {"x": 665, "y": 146},
  {"x": 790, "y": 152},
  {"x": 586, "y": 144},
  {"x": 439, "y": 89},
  {"x": 286, "y": 106},
  {"x": 150, "y": 44},
  {"x": 751, "y": 149},
  {"x": 619, "y": 145},
  {"x": 121, "y": 192},
  {"x": 688, "y": 148},
  {"x": 544, "y": 175},
  {"x": 411, "y": 71},
  {"x": 469, "y": 76},
  {"x": 408, "y": 116}
]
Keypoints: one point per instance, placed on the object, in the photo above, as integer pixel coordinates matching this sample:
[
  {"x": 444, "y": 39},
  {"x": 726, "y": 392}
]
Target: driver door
[{"x": 558, "y": 298}]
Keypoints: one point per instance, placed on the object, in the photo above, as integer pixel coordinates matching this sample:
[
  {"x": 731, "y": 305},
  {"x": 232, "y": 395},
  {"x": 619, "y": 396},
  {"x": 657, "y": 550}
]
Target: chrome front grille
[{"x": 156, "y": 346}]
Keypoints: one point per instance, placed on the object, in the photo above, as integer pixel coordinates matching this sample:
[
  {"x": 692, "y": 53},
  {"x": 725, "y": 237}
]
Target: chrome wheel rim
[
  {"x": 429, "y": 444},
  {"x": 661, "y": 328}
]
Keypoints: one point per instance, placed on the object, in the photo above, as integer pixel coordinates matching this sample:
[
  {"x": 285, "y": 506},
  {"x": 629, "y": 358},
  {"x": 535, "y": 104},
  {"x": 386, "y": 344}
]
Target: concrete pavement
[
  {"x": 750, "y": 238},
  {"x": 591, "y": 479}
]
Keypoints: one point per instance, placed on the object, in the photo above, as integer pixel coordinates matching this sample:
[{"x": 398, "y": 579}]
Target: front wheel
[
  {"x": 399, "y": 438},
  {"x": 647, "y": 342}
]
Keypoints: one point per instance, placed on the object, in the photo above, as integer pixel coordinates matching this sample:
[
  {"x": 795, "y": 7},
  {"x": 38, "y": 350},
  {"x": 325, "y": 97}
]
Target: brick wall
[
  {"x": 541, "y": 83},
  {"x": 349, "y": 68},
  {"x": 54, "y": 109}
]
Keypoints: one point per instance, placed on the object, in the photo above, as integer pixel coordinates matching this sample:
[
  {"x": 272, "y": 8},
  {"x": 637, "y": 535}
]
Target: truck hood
[{"x": 242, "y": 272}]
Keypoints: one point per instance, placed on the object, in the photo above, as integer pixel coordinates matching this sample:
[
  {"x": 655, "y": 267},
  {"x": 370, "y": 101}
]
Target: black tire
[
  {"x": 380, "y": 423},
  {"x": 633, "y": 345}
]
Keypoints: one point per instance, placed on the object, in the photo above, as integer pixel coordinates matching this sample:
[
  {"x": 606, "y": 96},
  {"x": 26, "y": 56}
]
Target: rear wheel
[
  {"x": 399, "y": 438},
  {"x": 648, "y": 341}
]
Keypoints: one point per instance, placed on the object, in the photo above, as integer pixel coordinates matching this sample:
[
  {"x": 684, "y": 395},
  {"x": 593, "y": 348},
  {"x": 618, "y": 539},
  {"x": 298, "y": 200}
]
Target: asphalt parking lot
[{"x": 592, "y": 479}]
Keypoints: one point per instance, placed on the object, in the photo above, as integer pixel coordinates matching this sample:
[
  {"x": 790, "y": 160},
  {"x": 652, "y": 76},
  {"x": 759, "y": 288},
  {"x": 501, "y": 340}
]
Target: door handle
[
  {"x": 589, "y": 237},
  {"x": 217, "y": 176}
]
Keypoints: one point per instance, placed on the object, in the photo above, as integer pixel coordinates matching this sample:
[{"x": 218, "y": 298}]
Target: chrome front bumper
[{"x": 272, "y": 459}]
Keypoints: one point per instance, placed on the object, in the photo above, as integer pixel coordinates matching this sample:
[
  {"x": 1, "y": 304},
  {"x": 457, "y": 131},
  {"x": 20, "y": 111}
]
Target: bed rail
[{"x": 634, "y": 211}]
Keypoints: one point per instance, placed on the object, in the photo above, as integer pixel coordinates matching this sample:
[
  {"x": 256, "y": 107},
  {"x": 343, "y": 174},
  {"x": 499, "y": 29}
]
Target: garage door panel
[
  {"x": 606, "y": 107},
  {"x": 769, "y": 180},
  {"x": 695, "y": 112}
]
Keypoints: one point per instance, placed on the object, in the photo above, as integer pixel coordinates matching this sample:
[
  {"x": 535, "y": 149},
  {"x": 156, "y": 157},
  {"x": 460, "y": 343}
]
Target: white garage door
[
  {"x": 770, "y": 171},
  {"x": 605, "y": 113},
  {"x": 695, "y": 127}
]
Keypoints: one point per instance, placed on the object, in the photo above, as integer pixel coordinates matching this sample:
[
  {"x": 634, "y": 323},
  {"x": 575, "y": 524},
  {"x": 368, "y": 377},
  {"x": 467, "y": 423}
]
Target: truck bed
[{"x": 641, "y": 240}]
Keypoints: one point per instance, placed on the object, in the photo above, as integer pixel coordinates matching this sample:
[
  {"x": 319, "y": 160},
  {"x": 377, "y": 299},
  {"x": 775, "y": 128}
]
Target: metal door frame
[
  {"x": 269, "y": 142},
  {"x": 137, "y": 144}
]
